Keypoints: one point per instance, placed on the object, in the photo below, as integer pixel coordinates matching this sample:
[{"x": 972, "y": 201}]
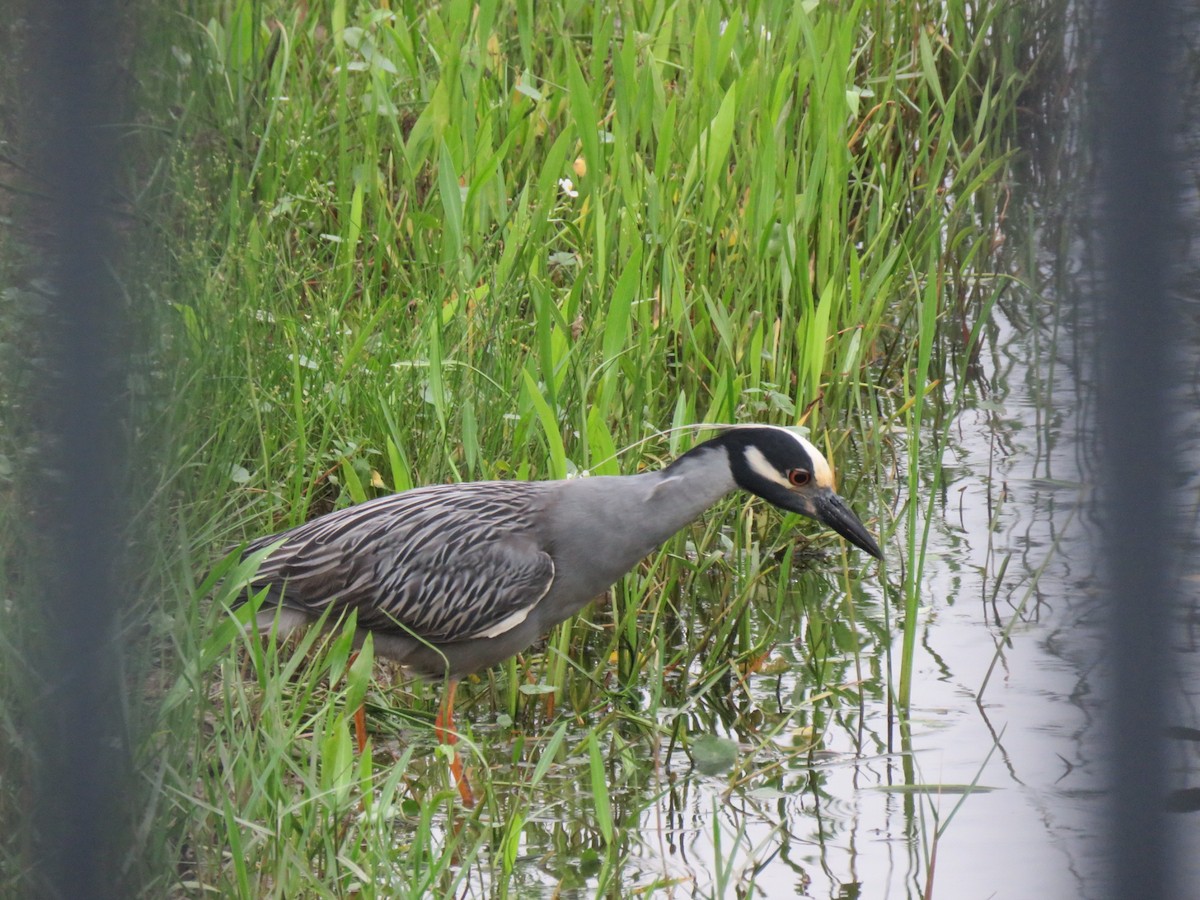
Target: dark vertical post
[
  {"x": 80, "y": 770},
  {"x": 1136, "y": 379}
]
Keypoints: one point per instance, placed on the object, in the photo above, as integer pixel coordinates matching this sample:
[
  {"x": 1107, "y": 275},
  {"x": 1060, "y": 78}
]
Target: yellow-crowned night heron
[{"x": 456, "y": 577}]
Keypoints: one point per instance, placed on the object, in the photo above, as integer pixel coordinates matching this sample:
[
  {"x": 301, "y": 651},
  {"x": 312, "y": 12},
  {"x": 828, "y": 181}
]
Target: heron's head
[{"x": 783, "y": 468}]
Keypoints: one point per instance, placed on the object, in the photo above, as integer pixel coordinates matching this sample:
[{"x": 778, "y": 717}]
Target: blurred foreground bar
[
  {"x": 1137, "y": 378},
  {"x": 80, "y": 758}
]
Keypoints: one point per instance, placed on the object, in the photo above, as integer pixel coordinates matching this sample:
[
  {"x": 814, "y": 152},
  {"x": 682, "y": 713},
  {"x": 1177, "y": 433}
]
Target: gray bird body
[{"x": 454, "y": 578}]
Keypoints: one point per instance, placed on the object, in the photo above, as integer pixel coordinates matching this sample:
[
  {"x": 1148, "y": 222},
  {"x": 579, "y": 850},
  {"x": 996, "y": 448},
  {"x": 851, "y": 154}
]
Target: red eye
[{"x": 799, "y": 477}]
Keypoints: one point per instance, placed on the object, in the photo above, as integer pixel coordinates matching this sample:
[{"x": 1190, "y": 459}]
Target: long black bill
[{"x": 833, "y": 511}]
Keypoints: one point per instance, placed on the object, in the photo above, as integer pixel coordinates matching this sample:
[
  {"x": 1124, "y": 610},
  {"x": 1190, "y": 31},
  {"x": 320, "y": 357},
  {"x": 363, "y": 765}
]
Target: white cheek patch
[
  {"x": 763, "y": 468},
  {"x": 822, "y": 472}
]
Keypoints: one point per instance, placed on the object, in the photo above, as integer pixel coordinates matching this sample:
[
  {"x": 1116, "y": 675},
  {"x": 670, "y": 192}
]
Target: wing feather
[{"x": 444, "y": 563}]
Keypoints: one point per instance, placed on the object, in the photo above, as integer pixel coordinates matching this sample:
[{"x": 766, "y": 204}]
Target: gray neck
[
  {"x": 600, "y": 527},
  {"x": 677, "y": 495},
  {"x": 611, "y": 522}
]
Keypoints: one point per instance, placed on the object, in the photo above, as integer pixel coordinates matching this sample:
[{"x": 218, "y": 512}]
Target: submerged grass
[{"x": 419, "y": 243}]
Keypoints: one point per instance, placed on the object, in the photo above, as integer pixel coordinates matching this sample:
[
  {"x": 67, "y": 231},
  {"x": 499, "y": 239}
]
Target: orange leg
[
  {"x": 360, "y": 716},
  {"x": 443, "y": 729},
  {"x": 360, "y": 729}
]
